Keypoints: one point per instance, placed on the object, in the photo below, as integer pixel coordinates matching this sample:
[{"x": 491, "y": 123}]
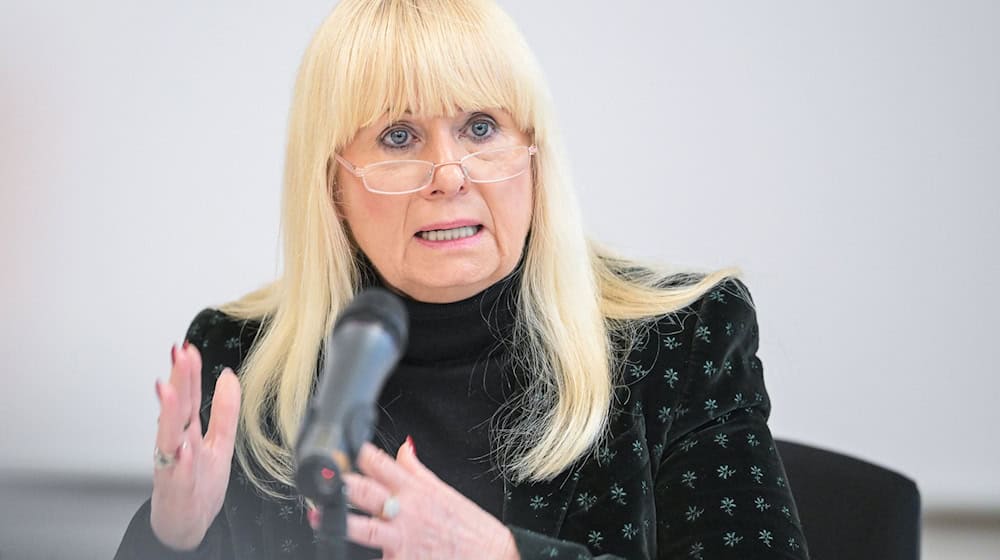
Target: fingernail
[
  {"x": 186, "y": 344},
  {"x": 413, "y": 446},
  {"x": 173, "y": 354},
  {"x": 159, "y": 396}
]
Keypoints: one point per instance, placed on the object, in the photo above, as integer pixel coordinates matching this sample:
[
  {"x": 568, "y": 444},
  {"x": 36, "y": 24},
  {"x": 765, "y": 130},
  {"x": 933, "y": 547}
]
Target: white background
[{"x": 847, "y": 156}]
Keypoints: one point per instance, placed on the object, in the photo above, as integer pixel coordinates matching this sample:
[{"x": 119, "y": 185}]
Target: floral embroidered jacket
[{"x": 690, "y": 470}]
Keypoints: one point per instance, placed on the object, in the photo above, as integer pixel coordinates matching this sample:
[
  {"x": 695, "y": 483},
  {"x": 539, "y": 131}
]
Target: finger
[
  {"x": 182, "y": 473},
  {"x": 176, "y": 479},
  {"x": 406, "y": 457},
  {"x": 406, "y": 448},
  {"x": 315, "y": 518},
  {"x": 180, "y": 378},
  {"x": 225, "y": 413},
  {"x": 169, "y": 434},
  {"x": 365, "y": 493},
  {"x": 375, "y": 463},
  {"x": 373, "y": 533},
  {"x": 194, "y": 357}
]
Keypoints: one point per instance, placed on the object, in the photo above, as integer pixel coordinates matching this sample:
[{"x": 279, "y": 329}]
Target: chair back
[{"x": 851, "y": 509}]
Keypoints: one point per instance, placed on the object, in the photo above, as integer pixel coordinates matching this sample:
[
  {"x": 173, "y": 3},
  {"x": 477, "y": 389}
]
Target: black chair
[{"x": 851, "y": 509}]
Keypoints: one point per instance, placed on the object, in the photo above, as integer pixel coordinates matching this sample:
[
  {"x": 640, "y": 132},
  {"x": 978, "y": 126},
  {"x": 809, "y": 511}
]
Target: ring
[
  {"x": 390, "y": 508},
  {"x": 164, "y": 461}
]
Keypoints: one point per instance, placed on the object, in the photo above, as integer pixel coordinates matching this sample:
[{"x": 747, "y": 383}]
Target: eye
[
  {"x": 481, "y": 129},
  {"x": 397, "y": 138}
]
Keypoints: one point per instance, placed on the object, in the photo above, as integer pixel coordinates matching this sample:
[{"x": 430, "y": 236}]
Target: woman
[{"x": 564, "y": 402}]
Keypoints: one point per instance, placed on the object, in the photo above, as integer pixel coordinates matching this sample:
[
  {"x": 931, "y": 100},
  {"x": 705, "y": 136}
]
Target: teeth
[{"x": 449, "y": 234}]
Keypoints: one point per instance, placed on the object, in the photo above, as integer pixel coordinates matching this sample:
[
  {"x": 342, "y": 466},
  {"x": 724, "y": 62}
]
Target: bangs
[{"x": 433, "y": 58}]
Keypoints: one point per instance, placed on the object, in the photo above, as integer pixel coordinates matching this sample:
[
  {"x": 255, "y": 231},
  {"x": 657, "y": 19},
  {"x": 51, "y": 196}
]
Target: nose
[{"x": 449, "y": 179}]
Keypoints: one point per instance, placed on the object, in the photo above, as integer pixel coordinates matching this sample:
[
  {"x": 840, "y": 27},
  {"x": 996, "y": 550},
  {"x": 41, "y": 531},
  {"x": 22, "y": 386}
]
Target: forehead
[{"x": 383, "y": 59}]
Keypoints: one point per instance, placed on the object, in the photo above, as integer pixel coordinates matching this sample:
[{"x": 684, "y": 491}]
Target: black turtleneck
[{"x": 449, "y": 386}]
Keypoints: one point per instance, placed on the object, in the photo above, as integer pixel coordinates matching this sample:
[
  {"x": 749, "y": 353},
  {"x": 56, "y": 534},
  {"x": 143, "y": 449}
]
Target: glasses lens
[
  {"x": 398, "y": 176},
  {"x": 491, "y": 166}
]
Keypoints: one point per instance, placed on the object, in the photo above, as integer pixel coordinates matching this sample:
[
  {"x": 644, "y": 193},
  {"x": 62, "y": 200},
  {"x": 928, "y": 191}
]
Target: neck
[{"x": 459, "y": 330}]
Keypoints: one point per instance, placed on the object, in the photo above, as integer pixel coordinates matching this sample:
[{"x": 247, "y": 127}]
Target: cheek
[
  {"x": 370, "y": 219},
  {"x": 514, "y": 212}
]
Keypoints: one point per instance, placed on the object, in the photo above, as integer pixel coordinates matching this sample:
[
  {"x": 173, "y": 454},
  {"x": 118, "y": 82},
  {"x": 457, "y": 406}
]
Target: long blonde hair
[{"x": 372, "y": 58}]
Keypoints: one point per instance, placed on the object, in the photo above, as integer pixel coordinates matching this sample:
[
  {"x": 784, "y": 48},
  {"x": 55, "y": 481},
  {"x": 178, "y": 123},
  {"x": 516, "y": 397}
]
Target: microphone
[{"x": 364, "y": 346}]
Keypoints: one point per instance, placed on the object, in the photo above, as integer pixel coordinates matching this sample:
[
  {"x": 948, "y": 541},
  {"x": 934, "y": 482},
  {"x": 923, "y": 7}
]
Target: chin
[{"x": 444, "y": 286}]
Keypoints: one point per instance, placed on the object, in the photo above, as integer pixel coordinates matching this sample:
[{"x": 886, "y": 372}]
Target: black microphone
[{"x": 364, "y": 346}]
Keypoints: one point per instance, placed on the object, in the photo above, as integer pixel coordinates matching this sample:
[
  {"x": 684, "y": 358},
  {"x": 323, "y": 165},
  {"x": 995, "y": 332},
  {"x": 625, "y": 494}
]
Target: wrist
[
  {"x": 507, "y": 547},
  {"x": 177, "y": 539},
  {"x": 178, "y": 543}
]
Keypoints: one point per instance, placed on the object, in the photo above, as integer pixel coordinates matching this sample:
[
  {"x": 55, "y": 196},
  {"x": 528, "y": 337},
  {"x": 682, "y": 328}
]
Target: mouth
[{"x": 449, "y": 234}]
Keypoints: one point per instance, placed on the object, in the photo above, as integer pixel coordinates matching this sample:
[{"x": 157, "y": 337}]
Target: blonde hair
[{"x": 375, "y": 58}]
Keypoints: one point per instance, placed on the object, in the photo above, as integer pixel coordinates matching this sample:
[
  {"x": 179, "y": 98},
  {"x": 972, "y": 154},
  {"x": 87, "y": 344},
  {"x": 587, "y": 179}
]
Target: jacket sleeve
[
  {"x": 531, "y": 545},
  {"x": 720, "y": 486},
  {"x": 139, "y": 541}
]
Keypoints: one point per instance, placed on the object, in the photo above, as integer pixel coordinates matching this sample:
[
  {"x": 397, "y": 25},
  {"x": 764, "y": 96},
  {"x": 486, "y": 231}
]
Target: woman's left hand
[{"x": 433, "y": 520}]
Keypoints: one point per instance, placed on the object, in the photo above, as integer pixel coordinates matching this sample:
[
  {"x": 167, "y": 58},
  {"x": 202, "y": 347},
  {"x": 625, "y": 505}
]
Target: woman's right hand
[{"x": 188, "y": 494}]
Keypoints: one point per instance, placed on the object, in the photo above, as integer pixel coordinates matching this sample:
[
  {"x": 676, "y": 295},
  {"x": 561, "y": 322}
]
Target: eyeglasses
[{"x": 410, "y": 175}]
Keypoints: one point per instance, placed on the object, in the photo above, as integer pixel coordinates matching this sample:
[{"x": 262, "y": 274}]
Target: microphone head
[{"x": 378, "y": 306}]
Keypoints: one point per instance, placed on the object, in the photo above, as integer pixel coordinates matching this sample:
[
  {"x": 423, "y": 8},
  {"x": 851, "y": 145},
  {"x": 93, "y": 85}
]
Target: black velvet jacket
[{"x": 690, "y": 469}]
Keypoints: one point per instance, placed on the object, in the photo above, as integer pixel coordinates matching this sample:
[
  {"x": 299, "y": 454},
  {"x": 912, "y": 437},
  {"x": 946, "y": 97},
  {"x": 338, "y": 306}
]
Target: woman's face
[{"x": 394, "y": 230}]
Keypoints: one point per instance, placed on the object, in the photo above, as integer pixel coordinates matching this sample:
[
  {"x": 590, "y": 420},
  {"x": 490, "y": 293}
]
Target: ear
[{"x": 332, "y": 188}]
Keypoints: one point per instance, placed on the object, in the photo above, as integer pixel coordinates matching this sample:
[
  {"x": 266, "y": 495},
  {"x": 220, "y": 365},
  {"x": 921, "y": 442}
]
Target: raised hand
[
  {"x": 416, "y": 514},
  {"x": 191, "y": 472}
]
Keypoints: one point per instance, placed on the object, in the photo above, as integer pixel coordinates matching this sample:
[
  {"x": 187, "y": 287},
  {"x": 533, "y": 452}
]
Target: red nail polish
[
  {"x": 173, "y": 354},
  {"x": 186, "y": 344},
  {"x": 413, "y": 446}
]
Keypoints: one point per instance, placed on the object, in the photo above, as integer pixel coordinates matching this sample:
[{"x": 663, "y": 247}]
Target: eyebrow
[
  {"x": 458, "y": 113},
  {"x": 378, "y": 128}
]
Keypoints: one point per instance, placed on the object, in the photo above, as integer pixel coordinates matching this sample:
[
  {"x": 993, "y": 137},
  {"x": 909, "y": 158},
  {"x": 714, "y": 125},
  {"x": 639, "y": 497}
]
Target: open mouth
[{"x": 449, "y": 234}]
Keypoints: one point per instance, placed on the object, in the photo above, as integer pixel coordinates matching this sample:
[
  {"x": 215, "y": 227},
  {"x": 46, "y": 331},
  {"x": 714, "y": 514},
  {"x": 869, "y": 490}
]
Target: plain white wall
[{"x": 845, "y": 155}]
